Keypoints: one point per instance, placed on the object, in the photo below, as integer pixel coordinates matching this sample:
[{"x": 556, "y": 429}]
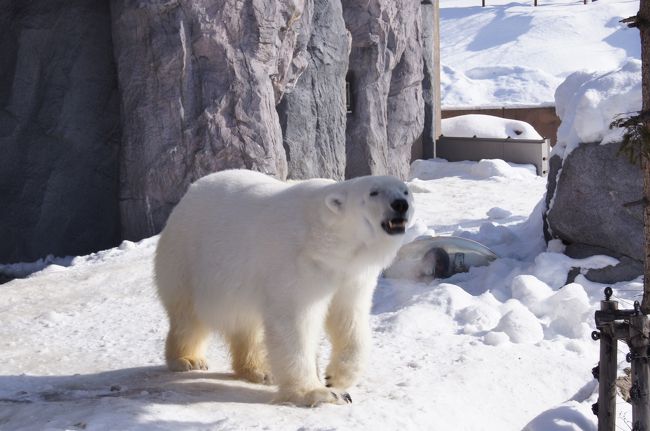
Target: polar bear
[{"x": 267, "y": 264}]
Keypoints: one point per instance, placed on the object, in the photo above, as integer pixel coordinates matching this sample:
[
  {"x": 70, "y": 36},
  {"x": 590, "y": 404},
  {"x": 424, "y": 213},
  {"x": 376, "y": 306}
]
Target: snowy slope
[
  {"x": 487, "y": 350},
  {"x": 512, "y": 53}
]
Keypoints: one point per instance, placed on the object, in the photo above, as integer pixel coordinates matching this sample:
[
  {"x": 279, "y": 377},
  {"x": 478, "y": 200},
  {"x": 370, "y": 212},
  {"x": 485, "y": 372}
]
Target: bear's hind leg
[
  {"x": 249, "y": 356},
  {"x": 186, "y": 343}
]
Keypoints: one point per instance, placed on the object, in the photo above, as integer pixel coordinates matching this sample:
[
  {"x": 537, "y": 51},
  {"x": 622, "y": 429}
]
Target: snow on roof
[{"x": 487, "y": 126}]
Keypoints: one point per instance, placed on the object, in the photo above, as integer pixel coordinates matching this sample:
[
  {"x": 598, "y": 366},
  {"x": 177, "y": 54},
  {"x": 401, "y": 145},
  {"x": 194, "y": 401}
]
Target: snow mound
[
  {"x": 487, "y": 126},
  {"x": 569, "y": 309},
  {"x": 497, "y": 213},
  {"x": 587, "y": 103},
  {"x": 530, "y": 291},
  {"x": 484, "y": 169},
  {"x": 520, "y": 324}
]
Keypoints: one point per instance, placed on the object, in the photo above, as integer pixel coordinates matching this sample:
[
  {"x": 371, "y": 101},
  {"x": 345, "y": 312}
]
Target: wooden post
[
  {"x": 607, "y": 371},
  {"x": 639, "y": 342},
  {"x": 483, "y": 3},
  {"x": 535, "y": 3}
]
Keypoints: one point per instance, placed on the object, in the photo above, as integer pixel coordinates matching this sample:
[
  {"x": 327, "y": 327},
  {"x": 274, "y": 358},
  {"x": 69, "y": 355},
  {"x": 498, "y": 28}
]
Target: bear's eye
[
  {"x": 406, "y": 192},
  {"x": 374, "y": 193}
]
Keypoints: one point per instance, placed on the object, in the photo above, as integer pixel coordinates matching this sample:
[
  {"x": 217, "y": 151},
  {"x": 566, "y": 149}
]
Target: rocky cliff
[
  {"x": 59, "y": 129},
  {"x": 109, "y": 109}
]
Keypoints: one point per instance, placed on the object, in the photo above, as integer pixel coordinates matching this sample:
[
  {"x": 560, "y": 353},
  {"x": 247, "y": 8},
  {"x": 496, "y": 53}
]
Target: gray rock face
[
  {"x": 199, "y": 82},
  {"x": 312, "y": 115},
  {"x": 204, "y": 85},
  {"x": 588, "y": 201},
  {"x": 385, "y": 75},
  {"x": 626, "y": 269},
  {"x": 59, "y": 129}
]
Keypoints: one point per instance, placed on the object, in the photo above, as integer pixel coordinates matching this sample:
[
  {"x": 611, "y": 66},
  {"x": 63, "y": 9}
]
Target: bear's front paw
[
  {"x": 314, "y": 397},
  {"x": 187, "y": 363},
  {"x": 341, "y": 377}
]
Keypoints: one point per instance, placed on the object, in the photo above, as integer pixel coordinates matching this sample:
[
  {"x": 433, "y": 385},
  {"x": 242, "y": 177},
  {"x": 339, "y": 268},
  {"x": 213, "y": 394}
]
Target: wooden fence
[{"x": 535, "y": 2}]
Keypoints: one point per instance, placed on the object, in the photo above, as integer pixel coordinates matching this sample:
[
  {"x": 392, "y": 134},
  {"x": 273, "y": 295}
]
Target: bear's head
[{"x": 372, "y": 207}]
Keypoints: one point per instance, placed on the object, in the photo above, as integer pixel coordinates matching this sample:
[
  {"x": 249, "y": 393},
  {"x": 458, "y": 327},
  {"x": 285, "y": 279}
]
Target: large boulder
[
  {"x": 59, "y": 129},
  {"x": 594, "y": 193},
  {"x": 385, "y": 75},
  {"x": 199, "y": 82},
  {"x": 312, "y": 114},
  {"x": 596, "y": 202}
]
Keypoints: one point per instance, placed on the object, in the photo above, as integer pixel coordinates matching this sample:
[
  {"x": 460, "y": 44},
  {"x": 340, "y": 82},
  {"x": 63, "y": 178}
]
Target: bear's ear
[{"x": 334, "y": 202}]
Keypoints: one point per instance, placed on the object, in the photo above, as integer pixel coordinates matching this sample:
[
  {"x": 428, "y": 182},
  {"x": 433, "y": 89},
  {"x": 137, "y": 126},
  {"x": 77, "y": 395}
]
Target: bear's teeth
[{"x": 393, "y": 224}]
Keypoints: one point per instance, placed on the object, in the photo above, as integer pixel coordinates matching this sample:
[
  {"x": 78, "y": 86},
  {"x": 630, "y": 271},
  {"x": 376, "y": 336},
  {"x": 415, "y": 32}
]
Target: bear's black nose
[{"x": 400, "y": 205}]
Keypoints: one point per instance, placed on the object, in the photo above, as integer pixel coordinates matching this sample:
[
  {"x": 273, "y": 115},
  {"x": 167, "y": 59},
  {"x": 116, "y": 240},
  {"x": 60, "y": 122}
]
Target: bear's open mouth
[{"x": 394, "y": 226}]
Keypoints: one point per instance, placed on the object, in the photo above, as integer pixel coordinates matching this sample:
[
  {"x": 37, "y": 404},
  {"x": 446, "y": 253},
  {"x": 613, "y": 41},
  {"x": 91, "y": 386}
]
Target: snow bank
[
  {"x": 511, "y": 53},
  {"x": 587, "y": 103},
  {"x": 485, "y": 169},
  {"x": 488, "y": 126}
]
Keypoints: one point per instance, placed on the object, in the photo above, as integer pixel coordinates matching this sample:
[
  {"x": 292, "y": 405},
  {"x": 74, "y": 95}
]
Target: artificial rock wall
[{"x": 110, "y": 109}]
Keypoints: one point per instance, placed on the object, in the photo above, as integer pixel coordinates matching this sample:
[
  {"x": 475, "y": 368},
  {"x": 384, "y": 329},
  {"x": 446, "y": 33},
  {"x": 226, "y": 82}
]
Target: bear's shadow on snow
[{"x": 144, "y": 384}]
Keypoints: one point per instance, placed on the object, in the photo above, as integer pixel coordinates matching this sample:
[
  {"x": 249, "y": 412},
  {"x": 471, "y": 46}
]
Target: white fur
[{"x": 266, "y": 264}]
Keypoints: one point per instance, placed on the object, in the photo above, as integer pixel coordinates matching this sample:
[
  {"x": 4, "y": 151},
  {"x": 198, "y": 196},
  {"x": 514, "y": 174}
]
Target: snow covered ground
[
  {"x": 503, "y": 347},
  {"x": 511, "y": 53},
  {"x": 491, "y": 349}
]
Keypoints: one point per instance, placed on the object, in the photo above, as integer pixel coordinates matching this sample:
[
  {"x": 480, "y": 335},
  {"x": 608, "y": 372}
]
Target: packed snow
[
  {"x": 515, "y": 54},
  {"x": 501, "y": 347},
  {"x": 587, "y": 103},
  {"x": 487, "y": 126}
]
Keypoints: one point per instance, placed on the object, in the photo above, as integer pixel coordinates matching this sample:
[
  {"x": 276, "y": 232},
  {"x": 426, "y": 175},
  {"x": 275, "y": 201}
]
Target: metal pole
[
  {"x": 639, "y": 342},
  {"x": 607, "y": 370},
  {"x": 483, "y": 3}
]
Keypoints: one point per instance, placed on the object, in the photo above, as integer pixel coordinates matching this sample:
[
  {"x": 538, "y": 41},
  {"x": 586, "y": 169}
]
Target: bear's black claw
[{"x": 346, "y": 397}]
